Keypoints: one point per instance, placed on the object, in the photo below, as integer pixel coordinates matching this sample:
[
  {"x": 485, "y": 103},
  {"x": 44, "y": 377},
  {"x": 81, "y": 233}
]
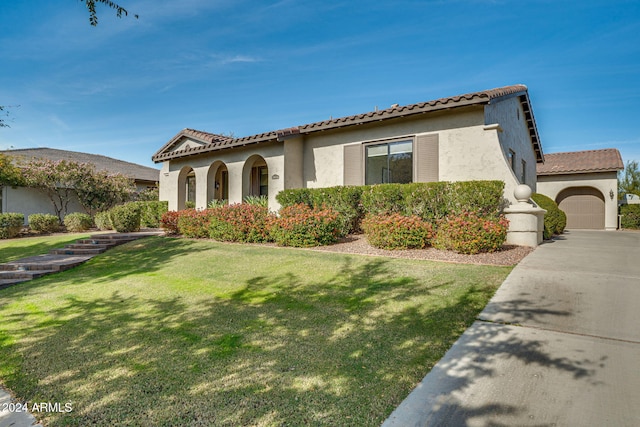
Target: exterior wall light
[{"x": 611, "y": 194}]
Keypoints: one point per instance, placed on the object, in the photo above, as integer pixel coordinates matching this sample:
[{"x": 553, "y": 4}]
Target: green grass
[
  {"x": 13, "y": 249},
  {"x": 183, "y": 332}
]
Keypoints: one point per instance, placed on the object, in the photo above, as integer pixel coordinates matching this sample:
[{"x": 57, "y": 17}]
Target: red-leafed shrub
[
  {"x": 301, "y": 226},
  {"x": 194, "y": 223},
  {"x": 395, "y": 231},
  {"x": 169, "y": 222},
  {"x": 468, "y": 233},
  {"x": 240, "y": 222}
]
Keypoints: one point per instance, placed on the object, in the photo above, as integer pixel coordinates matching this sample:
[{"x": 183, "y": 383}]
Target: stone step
[
  {"x": 69, "y": 251},
  {"x": 24, "y": 274},
  {"x": 5, "y": 283},
  {"x": 87, "y": 246},
  {"x": 104, "y": 242}
]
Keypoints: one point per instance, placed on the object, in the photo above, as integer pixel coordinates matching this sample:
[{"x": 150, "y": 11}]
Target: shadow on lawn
[{"x": 281, "y": 349}]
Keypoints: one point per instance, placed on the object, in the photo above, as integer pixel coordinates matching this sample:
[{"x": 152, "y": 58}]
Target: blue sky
[{"x": 127, "y": 86}]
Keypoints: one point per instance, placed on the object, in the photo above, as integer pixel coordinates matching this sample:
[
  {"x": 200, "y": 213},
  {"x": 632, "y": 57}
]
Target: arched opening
[
  {"x": 186, "y": 188},
  {"x": 218, "y": 182},
  {"x": 584, "y": 206},
  {"x": 256, "y": 177}
]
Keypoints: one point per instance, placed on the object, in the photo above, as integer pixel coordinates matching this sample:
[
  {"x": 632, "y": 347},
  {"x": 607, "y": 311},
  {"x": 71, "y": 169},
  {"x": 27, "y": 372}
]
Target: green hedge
[
  {"x": 102, "y": 221},
  {"x": 78, "y": 221},
  {"x": 431, "y": 201},
  {"x": 44, "y": 223},
  {"x": 630, "y": 216},
  {"x": 125, "y": 218},
  {"x": 10, "y": 225},
  {"x": 151, "y": 212},
  {"x": 555, "y": 220}
]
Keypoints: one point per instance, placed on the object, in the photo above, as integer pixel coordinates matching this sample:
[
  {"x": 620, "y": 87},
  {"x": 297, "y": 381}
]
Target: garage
[
  {"x": 585, "y": 186},
  {"x": 584, "y": 206}
]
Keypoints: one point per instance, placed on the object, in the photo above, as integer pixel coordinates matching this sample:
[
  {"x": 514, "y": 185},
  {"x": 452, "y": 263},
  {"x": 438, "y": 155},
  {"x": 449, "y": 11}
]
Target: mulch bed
[{"x": 357, "y": 244}]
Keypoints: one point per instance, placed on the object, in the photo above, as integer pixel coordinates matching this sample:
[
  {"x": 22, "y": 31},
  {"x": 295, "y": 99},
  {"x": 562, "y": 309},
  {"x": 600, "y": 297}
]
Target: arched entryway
[
  {"x": 186, "y": 188},
  {"x": 218, "y": 182},
  {"x": 255, "y": 176},
  {"x": 584, "y": 206}
]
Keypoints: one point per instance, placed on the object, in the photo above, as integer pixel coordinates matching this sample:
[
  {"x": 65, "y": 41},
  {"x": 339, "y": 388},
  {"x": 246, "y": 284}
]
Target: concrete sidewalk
[{"x": 558, "y": 345}]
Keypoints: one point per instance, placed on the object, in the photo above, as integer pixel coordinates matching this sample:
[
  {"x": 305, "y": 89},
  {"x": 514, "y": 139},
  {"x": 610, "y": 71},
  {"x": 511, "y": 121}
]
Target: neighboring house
[
  {"x": 29, "y": 201},
  {"x": 488, "y": 135},
  {"x": 630, "y": 199},
  {"x": 585, "y": 186}
]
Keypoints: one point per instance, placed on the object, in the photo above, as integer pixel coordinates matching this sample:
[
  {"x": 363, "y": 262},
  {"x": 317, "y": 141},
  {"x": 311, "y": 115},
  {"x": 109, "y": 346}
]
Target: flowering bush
[
  {"x": 169, "y": 222},
  {"x": 78, "y": 221},
  {"x": 468, "y": 233},
  {"x": 44, "y": 223},
  {"x": 395, "y": 231},
  {"x": 194, "y": 223},
  {"x": 10, "y": 225},
  {"x": 301, "y": 226},
  {"x": 240, "y": 222}
]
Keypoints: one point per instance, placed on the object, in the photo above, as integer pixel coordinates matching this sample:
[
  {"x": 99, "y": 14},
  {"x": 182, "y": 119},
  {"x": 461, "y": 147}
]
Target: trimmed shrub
[
  {"x": 555, "y": 220},
  {"x": 240, "y": 222},
  {"x": 125, "y": 218},
  {"x": 430, "y": 201},
  {"x": 44, "y": 223},
  {"x": 483, "y": 197},
  {"x": 630, "y": 216},
  {"x": 295, "y": 196},
  {"x": 10, "y": 225},
  {"x": 169, "y": 222},
  {"x": 151, "y": 212},
  {"x": 383, "y": 199},
  {"x": 193, "y": 223},
  {"x": 468, "y": 233},
  {"x": 397, "y": 231},
  {"x": 78, "y": 221},
  {"x": 102, "y": 221},
  {"x": 301, "y": 226}
]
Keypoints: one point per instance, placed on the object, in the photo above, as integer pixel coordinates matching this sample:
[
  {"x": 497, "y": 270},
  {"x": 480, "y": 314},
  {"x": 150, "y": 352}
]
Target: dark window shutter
[
  {"x": 353, "y": 164},
  {"x": 427, "y": 158}
]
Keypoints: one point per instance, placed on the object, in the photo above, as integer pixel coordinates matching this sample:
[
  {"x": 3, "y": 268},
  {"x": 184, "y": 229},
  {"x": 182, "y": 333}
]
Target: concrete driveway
[{"x": 558, "y": 345}]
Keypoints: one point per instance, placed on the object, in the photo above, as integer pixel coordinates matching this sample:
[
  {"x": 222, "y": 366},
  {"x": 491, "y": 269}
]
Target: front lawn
[{"x": 182, "y": 332}]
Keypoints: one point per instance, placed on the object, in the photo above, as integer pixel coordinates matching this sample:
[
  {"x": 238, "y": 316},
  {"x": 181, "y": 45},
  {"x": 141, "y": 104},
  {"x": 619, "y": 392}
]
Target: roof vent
[{"x": 395, "y": 105}]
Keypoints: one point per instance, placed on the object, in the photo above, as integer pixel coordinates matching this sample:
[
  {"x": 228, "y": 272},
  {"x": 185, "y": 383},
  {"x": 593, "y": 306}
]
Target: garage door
[{"x": 584, "y": 207}]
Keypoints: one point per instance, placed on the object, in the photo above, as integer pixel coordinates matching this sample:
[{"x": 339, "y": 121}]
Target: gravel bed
[{"x": 358, "y": 244}]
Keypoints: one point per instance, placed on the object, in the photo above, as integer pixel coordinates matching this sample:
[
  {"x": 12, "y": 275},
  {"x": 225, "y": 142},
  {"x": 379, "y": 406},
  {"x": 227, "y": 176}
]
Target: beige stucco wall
[
  {"x": 29, "y": 201},
  {"x": 509, "y": 115},
  {"x": 235, "y": 160},
  {"x": 552, "y": 185}
]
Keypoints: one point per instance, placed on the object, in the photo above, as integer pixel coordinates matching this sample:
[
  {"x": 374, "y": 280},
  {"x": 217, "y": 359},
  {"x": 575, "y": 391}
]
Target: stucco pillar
[
  {"x": 202, "y": 187},
  {"x": 526, "y": 222}
]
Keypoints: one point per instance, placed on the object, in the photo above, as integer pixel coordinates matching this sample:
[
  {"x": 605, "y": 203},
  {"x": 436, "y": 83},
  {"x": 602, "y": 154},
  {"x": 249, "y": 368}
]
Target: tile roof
[
  {"x": 132, "y": 170},
  {"x": 606, "y": 160},
  {"x": 216, "y": 142}
]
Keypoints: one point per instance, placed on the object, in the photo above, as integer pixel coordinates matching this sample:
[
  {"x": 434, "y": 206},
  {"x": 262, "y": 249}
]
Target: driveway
[{"x": 558, "y": 345}]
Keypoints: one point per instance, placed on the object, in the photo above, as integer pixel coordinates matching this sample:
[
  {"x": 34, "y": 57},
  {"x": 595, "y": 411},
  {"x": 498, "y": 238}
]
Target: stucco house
[
  {"x": 585, "y": 186},
  {"x": 29, "y": 201},
  {"x": 477, "y": 136}
]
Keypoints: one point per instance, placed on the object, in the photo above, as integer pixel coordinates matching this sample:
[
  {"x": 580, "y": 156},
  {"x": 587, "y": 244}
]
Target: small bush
[
  {"x": 397, "y": 231},
  {"x": 555, "y": 220},
  {"x": 630, "y": 216},
  {"x": 240, "y": 222},
  {"x": 169, "y": 222},
  {"x": 383, "y": 199},
  {"x": 44, "y": 223},
  {"x": 189, "y": 205},
  {"x": 151, "y": 212},
  {"x": 193, "y": 223},
  {"x": 102, "y": 221},
  {"x": 215, "y": 203},
  {"x": 468, "y": 233},
  {"x": 257, "y": 200},
  {"x": 301, "y": 226},
  {"x": 10, "y": 225},
  {"x": 125, "y": 218},
  {"x": 78, "y": 221}
]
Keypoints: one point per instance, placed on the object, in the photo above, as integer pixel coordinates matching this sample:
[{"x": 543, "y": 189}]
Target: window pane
[
  {"x": 401, "y": 168},
  {"x": 376, "y": 164},
  {"x": 401, "y": 147}
]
